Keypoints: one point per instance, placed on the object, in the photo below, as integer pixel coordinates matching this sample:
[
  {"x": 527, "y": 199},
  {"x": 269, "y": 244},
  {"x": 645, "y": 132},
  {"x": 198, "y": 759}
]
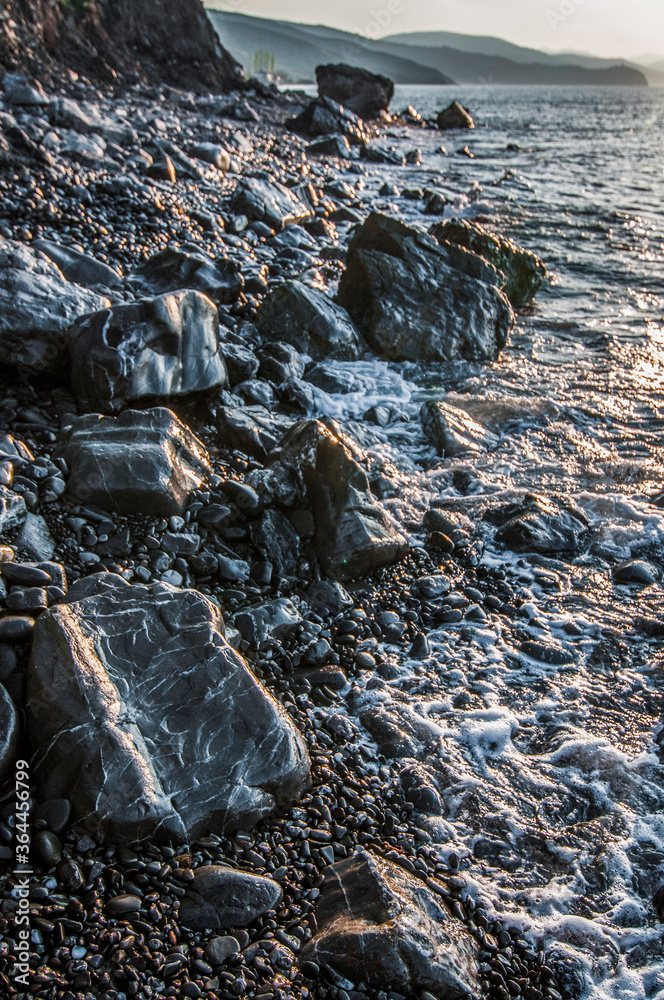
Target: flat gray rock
[
  {"x": 381, "y": 925},
  {"x": 149, "y": 722},
  {"x": 416, "y": 300},
  {"x": 309, "y": 320},
  {"x": 220, "y": 897},
  {"x": 37, "y": 307},
  {"x": 143, "y": 461},
  {"x": 162, "y": 348}
]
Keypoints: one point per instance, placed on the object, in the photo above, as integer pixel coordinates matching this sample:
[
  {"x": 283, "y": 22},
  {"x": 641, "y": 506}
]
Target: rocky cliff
[{"x": 133, "y": 40}]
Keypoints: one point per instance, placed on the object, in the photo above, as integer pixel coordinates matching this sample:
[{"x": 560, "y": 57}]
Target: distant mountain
[
  {"x": 298, "y": 48},
  {"x": 420, "y": 58}
]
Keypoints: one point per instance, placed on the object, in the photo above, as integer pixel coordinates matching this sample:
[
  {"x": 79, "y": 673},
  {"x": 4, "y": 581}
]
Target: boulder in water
[
  {"x": 143, "y": 716},
  {"x": 549, "y": 525},
  {"x": 309, "y": 320},
  {"x": 383, "y": 926},
  {"x": 161, "y": 348},
  {"x": 415, "y": 300},
  {"x": 521, "y": 272},
  {"x": 453, "y": 432},
  {"x": 454, "y": 117},
  {"x": 140, "y": 462},
  {"x": 364, "y": 93}
]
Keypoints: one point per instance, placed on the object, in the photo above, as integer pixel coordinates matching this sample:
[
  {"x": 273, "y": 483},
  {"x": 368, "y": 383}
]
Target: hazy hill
[{"x": 444, "y": 56}]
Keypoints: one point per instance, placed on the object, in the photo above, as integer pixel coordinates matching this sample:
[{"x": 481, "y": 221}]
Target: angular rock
[
  {"x": 35, "y": 538},
  {"x": 278, "y": 541},
  {"x": 210, "y": 152},
  {"x": 270, "y": 202},
  {"x": 325, "y": 117},
  {"x": 415, "y": 300},
  {"x": 220, "y": 897},
  {"x": 381, "y": 925},
  {"x": 309, "y": 320},
  {"x": 330, "y": 145},
  {"x": 172, "y": 270},
  {"x": 141, "y": 462},
  {"x": 453, "y": 432},
  {"x": 353, "y": 536},
  {"x": 9, "y": 731},
  {"x": 521, "y": 272},
  {"x": 454, "y": 117},
  {"x": 241, "y": 362},
  {"x": 37, "y": 307},
  {"x": 364, "y": 93},
  {"x": 22, "y": 92},
  {"x": 253, "y": 430},
  {"x": 78, "y": 267},
  {"x": 275, "y": 619},
  {"x": 13, "y": 511},
  {"x": 145, "y": 718},
  {"x": 160, "y": 348},
  {"x": 541, "y": 524}
]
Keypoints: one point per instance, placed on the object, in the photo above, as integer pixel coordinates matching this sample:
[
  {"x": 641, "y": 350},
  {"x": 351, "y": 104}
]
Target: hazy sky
[{"x": 613, "y": 28}]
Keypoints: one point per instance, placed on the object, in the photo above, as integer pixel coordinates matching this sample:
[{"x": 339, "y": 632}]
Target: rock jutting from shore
[
  {"x": 122, "y": 674},
  {"x": 454, "y": 117},
  {"x": 364, "y": 93}
]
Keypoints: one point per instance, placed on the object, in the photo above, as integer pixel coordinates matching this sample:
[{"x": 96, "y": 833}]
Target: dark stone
[
  {"x": 275, "y": 619},
  {"x": 454, "y": 117},
  {"x": 325, "y": 117},
  {"x": 122, "y": 674},
  {"x": 279, "y": 362},
  {"x": 658, "y": 903},
  {"x": 453, "y": 431},
  {"x": 160, "y": 348},
  {"x": 78, "y": 267},
  {"x": 54, "y": 812},
  {"x": 24, "y": 575},
  {"x": 118, "y": 906},
  {"x": 218, "y": 949},
  {"x": 274, "y": 537},
  {"x": 27, "y": 599},
  {"x": 364, "y": 93},
  {"x": 521, "y": 272},
  {"x": 309, "y": 320},
  {"x": 210, "y": 152},
  {"x": 241, "y": 362},
  {"x": 415, "y": 300},
  {"x": 380, "y": 925},
  {"x": 269, "y": 202},
  {"x": 253, "y": 430},
  {"x": 637, "y": 571},
  {"x": 13, "y": 510},
  {"x": 139, "y": 462},
  {"x": 37, "y": 307},
  {"x": 541, "y": 524},
  {"x": 8, "y": 733},
  {"x": 353, "y": 535},
  {"x": 173, "y": 270},
  {"x": 380, "y": 152},
  {"x": 220, "y": 897},
  {"x": 544, "y": 653},
  {"x": 330, "y": 145},
  {"x": 331, "y": 379},
  {"x": 46, "y": 848},
  {"x": 15, "y": 628},
  {"x": 328, "y": 597}
]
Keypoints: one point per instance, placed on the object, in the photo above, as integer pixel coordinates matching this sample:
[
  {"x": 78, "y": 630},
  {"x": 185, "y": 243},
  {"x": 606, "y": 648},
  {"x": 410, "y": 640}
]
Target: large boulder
[
  {"x": 325, "y": 117},
  {"x": 269, "y": 202},
  {"x": 548, "y": 525},
  {"x": 364, "y": 93},
  {"x": 415, "y": 300},
  {"x": 141, "y": 462},
  {"x": 172, "y": 270},
  {"x": 37, "y": 307},
  {"x": 521, "y": 272},
  {"x": 143, "y": 716},
  {"x": 454, "y": 117},
  {"x": 352, "y": 534},
  {"x": 380, "y": 925},
  {"x": 453, "y": 432},
  {"x": 309, "y": 320},
  {"x": 161, "y": 348}
]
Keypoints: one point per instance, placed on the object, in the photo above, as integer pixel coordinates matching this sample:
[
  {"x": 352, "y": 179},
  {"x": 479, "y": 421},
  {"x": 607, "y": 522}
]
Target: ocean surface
[{"x": 558, "y": 779}]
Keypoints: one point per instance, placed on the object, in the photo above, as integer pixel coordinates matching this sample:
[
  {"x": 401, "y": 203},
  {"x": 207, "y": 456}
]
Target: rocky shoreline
[{"x": 201, "y": 582}]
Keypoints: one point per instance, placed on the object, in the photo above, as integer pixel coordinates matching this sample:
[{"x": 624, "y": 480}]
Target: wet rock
[
  {"x": 364, "y": 93},
  {"x": 220, "y": 897},
  {"x": 78, "y": 267},
  {"x": 35, "y": 538},
  {"x": 540, "y": 524},
  {"x": 325, "y": 117},
  {"x": 638, "y": 571},
  {"x": 279, "y": 362},
  {"x": 9, "y": 731},
  {"x": 270, "y": 202},
  {"x": 218, "y": 949},
  {"x": 453, "y": 432},
  {"x": 173, "y": 270},
  {"x": 380, "y": 925},
  {"x": 123, "y": 904},
  {"x": 121, "y": 674},
  {"x": 414, "y": 299},
  {"x": 330, "y": 378},
  {"x": 37, "y": 307},
  {"x": 253, "y": 430},
  {"x": 522, "y": 273},
  {"x": 12, "y": 510},
  {"x": 352, "y": 535},
  {"x": 241, "y": 362},
  {"x": 454, "y": 117},
  {"x": 328, "y": 597},
  {"x": 380, "y": 152},
  {"x": 274, "y": 619},
  {"x": 139, "y": 462},
  {"x": 160, "y": 348},
  {"x": 210, "y": 152},
  {"x": 15, "y": 628},
  {"x": 330, "y": 145},
  {"x": 545, "y": 653},
  {"x": 306, "y": 318},
  {"x": 658, "y": 903},
  {"x": 276, "y": 539}
]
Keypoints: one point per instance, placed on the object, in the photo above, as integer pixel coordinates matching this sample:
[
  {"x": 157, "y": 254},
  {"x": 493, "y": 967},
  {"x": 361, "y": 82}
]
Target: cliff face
[{"x": 146, "y": 41}]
